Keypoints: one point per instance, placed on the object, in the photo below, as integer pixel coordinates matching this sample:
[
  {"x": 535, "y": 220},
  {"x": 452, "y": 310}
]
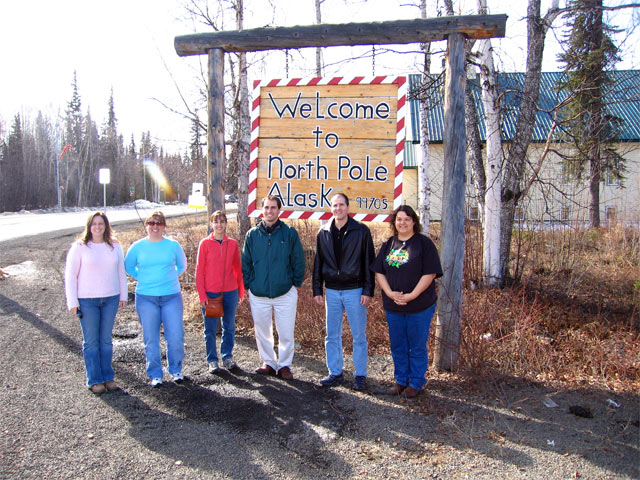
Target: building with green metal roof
[{"x": 554, "y": 197}]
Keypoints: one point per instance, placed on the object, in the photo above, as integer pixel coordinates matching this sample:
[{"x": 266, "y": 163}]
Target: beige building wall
[{"x": 552, "y": 198}]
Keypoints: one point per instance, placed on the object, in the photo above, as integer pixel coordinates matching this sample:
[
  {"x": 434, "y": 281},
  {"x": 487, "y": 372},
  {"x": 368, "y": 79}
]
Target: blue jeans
[
  {"x": 165, "y": 310},
  {"x": 336, "y": 303},
  {"x": 98, "y": 315},
  {"x": 229, "y": 305},
  {"x": 408, "y": 336}
]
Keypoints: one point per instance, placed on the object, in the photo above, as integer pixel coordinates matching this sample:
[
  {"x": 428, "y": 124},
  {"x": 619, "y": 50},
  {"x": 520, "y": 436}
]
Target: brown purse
[{"x": 213, "y": 307}]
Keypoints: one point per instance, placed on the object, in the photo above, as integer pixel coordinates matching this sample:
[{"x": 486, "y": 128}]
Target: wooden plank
[
  {"x": 299, "y": 149},
  {"x": 305, "y": 196},
  {"x": 372, "y": 129},
  {"x": 416, "y": 30},
  {"x": 365, "y": 90},
  {"x": 322, "y": 168}
]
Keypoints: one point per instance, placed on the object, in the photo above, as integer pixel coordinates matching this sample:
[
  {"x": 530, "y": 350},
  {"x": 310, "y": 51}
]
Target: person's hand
[
  {"x": 365, "y": 300},
  {"x": 240, "y": 300},
  {"x": 398, "y": 298},
  {"x": 405, "y": 298},
  {"x": 122, "y": 303},
  {"x": 202, "y": 304},
  {"x": 74, "y": 311},
  {"x": 319, "y": 300}
]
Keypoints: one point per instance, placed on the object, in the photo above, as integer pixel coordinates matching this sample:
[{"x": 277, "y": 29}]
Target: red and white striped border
[{"x": 255, "y": 210}]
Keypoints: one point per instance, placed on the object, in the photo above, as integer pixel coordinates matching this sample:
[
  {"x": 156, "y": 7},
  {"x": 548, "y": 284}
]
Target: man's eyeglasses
[{"x": 153, "y": 223}]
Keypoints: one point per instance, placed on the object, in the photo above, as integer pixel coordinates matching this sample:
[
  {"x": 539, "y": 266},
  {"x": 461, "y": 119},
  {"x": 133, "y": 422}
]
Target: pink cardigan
[
  {"x": 210, "y": 268},
  {"x": 94, "y": 270}
]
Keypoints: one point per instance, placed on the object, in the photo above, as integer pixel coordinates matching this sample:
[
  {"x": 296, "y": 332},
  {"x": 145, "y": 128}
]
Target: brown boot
[
  {"x": 98, "y": 388},
  {"x": 397, "y": 389},
  {"x": 285, "y": 373},
  {"x": 111, "y": 386}
]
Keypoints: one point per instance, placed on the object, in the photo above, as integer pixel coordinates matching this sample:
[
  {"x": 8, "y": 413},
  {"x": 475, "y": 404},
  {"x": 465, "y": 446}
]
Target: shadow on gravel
[
  {"x": 194, "y": 422},
  {"x": 10, "y": 307}
]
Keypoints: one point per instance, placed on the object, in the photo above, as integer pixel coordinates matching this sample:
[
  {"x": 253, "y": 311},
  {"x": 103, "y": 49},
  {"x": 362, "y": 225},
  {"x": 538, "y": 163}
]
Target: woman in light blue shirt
[{"x": 156, "y": 262}]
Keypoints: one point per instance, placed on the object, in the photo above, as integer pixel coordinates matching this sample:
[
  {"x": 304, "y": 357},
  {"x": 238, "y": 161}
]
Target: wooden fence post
[{"x": 215, "y": 132}]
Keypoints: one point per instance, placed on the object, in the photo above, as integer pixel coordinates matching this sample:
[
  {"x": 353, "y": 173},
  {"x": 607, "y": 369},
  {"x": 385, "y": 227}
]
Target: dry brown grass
[{"x": 572, "y": 316}]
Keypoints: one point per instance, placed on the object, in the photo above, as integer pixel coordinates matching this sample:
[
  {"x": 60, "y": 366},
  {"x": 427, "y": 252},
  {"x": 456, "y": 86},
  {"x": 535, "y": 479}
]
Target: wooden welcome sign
[{"x": 312, "y": 138}]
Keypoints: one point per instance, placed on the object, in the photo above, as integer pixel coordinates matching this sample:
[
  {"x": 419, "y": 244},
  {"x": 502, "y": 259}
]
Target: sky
[{"x": 127, "y": 47}]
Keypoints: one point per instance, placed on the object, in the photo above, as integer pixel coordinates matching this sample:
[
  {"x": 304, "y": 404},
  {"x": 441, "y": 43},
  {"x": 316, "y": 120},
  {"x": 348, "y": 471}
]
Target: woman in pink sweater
[
  {"x": 219, "y": 272},
  {"x": 96, "y": 284}
]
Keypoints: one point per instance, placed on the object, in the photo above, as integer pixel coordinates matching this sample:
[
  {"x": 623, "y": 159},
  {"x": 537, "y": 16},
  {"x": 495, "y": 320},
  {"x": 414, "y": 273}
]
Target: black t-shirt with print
[{"x": 404, "y": 263}]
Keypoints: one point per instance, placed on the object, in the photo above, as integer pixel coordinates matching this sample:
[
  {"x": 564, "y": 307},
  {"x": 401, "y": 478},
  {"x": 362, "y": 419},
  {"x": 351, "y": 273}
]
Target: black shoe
[
  {"x": 331, "y": 380},
  {"x": 360, "y": 383}
]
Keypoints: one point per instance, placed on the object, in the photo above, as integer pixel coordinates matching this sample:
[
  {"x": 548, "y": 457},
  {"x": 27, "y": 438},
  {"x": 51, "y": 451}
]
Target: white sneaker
[
  {"x": 229, "y": 364},
  {"x": 213, "y": 367},
  {"x": 178, "y": 377},
  {"x": 156, "y": 382}
]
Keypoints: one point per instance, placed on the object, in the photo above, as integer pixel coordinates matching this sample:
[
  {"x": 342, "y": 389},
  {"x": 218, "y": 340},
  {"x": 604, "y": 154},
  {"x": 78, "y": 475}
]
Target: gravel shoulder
[{"x": 241, "y": 425}]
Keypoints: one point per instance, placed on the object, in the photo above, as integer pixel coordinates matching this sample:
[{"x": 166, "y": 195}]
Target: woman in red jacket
[{"x": 219, "y": 272}]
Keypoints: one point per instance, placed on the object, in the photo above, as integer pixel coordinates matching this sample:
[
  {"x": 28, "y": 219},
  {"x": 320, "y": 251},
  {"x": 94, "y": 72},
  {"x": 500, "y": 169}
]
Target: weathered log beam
[{"x": 330, "y": 35}]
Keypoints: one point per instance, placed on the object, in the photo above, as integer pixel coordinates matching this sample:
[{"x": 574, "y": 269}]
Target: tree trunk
[
  {"x": 244, "y": 149},
  {"x": 493, "y": 168},
  {"x": 448, "y": 324},
  {"x": 318, "y": 49},
  {"x": 514, "y": 165},
  {"x": 594, "y": 189},
  {"x": 424, "y": 182}
]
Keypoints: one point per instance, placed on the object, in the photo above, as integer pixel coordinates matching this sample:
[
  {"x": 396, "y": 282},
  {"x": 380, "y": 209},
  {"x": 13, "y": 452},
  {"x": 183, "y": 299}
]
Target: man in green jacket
[{"x": 272, "y": 267}]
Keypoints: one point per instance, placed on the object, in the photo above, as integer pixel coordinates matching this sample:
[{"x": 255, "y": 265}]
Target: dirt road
[{"x": 244, "y": 426}]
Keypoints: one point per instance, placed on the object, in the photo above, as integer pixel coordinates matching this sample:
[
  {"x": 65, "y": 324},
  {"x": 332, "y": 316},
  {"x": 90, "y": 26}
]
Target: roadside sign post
[{"x": 104, "y": 178}]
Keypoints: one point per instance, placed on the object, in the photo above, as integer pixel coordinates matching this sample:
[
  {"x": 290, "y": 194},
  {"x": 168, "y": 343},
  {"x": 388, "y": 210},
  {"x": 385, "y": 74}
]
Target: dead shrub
[{"x": 573, "y": 318}]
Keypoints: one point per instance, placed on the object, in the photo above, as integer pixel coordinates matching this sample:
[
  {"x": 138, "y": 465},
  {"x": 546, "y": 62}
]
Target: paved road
[{"x": 13, "y": 226}]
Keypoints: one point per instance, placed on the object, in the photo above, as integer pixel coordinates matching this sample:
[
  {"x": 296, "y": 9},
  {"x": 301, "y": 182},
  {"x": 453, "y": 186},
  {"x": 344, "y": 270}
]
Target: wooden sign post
[{"x": 451, "y": 28}]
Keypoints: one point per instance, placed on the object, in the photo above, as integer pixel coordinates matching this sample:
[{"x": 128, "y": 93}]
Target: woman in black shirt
[{"x": 406, "y": 268}]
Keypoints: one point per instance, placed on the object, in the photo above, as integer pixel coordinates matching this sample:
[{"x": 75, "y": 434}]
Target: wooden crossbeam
[{"x": 330, "y": 35}]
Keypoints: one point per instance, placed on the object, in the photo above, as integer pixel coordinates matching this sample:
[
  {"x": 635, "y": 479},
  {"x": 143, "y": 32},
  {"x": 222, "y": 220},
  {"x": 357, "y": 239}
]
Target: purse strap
[{"x": 224, "y": 265}]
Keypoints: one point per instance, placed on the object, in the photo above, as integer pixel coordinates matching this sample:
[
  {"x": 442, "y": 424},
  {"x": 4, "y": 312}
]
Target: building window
[
  {"x": 518, "y": 214},
  {"x": 613, "y": 174},
  {"x": 474, "y": 213},
  {"x": 565, "y": 174},
  {"x": 564, "y": 214},
  {"x": 610, "y": 214}
]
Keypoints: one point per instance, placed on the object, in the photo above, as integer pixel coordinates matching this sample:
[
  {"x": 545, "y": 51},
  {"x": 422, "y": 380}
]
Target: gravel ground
[{"x": 245, "y": 426}]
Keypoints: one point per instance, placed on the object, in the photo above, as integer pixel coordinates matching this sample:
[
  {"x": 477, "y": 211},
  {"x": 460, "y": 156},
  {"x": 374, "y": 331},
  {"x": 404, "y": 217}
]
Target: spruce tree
[{"x": 590, "y": 54}]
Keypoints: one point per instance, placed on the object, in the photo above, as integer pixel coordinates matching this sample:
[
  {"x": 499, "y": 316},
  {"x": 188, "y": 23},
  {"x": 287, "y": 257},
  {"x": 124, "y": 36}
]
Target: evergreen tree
[
  {"x": 589, "y": 57},
  {"x": 13, "y": 168},
  {"x": 70, "y": 166}
]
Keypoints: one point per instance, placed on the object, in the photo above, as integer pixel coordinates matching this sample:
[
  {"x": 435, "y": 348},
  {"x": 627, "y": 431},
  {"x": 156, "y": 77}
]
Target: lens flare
[{"x": 158, "y": 176}]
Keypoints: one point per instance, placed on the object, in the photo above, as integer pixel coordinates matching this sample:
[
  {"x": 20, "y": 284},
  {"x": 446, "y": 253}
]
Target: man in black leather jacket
[{"x": 344, "y": 251}]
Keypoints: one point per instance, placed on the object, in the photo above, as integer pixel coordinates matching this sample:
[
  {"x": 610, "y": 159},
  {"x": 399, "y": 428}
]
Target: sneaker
[
  {"x": 360, "y": 383},
  {"x": 331, "y": 380},
  {"x": 285, "y": 373},
  {"x": 229, "y": 364},
  {"x": 213, "y": 367},
  {"x": 156, "y": 382},
  {"x": 178, "y": 377}
]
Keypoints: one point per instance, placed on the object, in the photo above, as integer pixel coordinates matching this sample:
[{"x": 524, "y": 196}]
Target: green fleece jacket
[{"x": 272, "y": 262}]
